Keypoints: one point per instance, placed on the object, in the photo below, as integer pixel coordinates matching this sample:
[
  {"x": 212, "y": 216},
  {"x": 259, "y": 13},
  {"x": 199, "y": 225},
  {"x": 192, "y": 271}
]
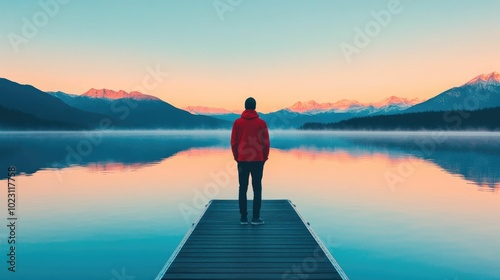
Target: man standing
[{"x": 250, "y": 146}]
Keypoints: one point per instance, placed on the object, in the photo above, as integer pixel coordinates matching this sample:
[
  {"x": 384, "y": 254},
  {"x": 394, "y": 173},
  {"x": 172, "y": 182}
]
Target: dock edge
[
  {"x": 321, "y": 244},
  {"x": 183, "y": 241},
  {"x": 309, "y": 228}
]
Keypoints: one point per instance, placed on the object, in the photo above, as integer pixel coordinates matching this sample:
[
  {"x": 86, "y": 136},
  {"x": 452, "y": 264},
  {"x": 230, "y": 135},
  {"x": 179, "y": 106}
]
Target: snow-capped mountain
[
  {"x": 202, "y": 110},
  {"x": 312, "y": 111},
  {"x": 144, "y": 111},
  {"x": 481, "y": 92},
  {"x": 313, "y": 107},
  {"x": 37, "y": 109},
  {"x": 389, "y": 104},
  {"x": 111, "y": 94},
  {"x": 399, "y": 101},
  {"x": 310, "y": 106},
  {"x": 491, "y": 79}
]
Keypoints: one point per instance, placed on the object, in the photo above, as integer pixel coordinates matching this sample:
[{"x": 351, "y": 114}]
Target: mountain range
[
  {"x": 137, "y": 110},
  {"x": 94, "y": 109},
  {"x": 311, "y": 111},
  {"x": 311, "y": 107},
  {"x": 26, "y": 107},
  {"x": 203, "y": 110},
  {"x": 40, "y": 107},
  {"x": 474, "y": 105},
  {"x": 481, "y": 92},
  {"x": 390, "y": 104}
]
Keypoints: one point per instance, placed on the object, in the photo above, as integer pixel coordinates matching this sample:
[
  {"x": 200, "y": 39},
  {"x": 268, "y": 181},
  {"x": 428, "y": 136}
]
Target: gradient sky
[{"x": 278, "y": 51}]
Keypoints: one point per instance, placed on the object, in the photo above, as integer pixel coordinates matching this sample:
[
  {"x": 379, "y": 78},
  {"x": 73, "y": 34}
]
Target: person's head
[{"x": 250, "y": 104}]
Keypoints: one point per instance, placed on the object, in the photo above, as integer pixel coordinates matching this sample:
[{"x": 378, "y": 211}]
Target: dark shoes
[{"x": 257, "y": 221}]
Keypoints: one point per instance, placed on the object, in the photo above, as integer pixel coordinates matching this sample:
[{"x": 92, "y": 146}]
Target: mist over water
[{"x": 388, "y": 205}]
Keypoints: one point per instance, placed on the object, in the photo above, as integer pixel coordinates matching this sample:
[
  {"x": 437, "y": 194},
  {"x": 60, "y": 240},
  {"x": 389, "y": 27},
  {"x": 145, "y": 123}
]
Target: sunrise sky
[{"x": 279, "y": 51}]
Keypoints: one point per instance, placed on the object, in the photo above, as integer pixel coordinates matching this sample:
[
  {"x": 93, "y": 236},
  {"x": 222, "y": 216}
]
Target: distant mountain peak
[
  {"x": 202, "y": 110},
  {"x": 345, "y": 105},
  {"x": 479, "y": 93},
  {"x": 491, "y": 78},
  {"x": 395, "y": 100},
  {"x": 111, "y": 94},
  {"x": 301, "y": 107}
]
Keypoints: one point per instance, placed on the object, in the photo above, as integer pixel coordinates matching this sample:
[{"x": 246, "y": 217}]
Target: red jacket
[{"x": 250, "y": 138}]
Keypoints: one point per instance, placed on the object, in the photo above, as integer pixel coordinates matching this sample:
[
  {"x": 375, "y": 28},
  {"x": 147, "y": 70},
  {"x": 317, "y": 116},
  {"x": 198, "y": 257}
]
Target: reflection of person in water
[{"x": 250, "y": 146}]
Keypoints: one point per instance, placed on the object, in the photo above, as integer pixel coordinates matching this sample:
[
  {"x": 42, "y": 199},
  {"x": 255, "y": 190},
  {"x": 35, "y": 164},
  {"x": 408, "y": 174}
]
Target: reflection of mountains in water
[
  {"x": 476, "y": 158},
  {"x": 37, "y": 151}
]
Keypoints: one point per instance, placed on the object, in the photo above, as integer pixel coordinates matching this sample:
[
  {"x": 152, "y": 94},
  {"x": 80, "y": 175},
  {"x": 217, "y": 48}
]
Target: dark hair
[{"x": 250, "y": 103}]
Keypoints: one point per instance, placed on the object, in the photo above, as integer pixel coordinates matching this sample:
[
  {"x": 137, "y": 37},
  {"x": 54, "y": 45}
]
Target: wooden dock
[{"x": 218, "y": 247}]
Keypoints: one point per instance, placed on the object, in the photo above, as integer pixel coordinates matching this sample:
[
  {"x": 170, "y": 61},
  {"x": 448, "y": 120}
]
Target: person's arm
[
  {"x": 265, "y": 142},
  {"x": 234, "y": 141}
]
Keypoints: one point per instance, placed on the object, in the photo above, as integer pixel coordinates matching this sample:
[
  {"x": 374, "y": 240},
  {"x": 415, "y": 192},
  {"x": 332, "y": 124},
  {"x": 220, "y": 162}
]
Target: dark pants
[{"x": 255, "y": 168}]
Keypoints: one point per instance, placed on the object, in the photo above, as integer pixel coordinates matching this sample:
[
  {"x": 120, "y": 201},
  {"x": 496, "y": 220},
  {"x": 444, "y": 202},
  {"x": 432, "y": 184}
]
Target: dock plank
[{"x": 218, "y": 247}]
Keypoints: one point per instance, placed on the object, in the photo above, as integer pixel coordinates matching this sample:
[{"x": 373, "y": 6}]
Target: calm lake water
[{"x": 387, "y": 205}]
